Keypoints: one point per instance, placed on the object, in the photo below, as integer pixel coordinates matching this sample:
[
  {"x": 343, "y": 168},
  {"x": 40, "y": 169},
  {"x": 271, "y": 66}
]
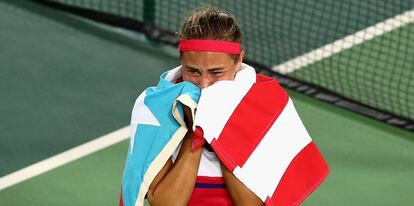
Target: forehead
[{"x": 203, "y": 59}]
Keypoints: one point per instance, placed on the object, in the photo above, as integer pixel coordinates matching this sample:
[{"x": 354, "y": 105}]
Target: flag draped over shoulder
[
  {"x": 257, "y": 134},
  {"x": 251, "y": 124},
  {"x": 157, "y": 127}
]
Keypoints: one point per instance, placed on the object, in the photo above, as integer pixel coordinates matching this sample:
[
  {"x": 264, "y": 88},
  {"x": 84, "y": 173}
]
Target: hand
[
  {"x": 197, "y": 136},
  {"x": 188, "y": 117}
]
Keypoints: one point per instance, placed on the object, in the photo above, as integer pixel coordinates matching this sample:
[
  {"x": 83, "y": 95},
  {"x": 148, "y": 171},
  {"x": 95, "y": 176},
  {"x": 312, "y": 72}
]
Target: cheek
[
  {"x": 190, "y": 78},
  {"x": 230, "y": 76}
]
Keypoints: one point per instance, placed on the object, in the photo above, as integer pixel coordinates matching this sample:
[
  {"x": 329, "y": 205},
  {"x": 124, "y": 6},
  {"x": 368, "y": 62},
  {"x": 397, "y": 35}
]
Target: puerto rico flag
[
  {"x": 157, "y": 128},
  {"x": 254, "y": 129}
]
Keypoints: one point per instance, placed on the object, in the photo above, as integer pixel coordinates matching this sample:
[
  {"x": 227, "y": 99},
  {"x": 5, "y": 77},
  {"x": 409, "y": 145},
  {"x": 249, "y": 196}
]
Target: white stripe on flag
[
  {"x": 268, "y": 162},
  {"x": 213, "y": 112}
]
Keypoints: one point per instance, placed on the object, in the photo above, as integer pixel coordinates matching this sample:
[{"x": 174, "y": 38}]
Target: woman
[
  {"x": 262, "y": 152},
  {"x": 203, "y": 68}
]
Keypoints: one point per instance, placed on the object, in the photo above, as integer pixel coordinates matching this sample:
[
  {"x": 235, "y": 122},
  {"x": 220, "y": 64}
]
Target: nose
[{"x": 204, "y": 82}]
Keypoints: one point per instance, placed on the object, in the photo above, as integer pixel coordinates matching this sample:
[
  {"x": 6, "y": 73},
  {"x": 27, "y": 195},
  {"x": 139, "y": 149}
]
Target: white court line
[
  {"x": 64, "y": 157},
  {"x": 345, "y": 43}
]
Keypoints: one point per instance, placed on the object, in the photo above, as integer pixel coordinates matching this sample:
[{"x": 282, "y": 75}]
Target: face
[{"x": 205, "y": 68}]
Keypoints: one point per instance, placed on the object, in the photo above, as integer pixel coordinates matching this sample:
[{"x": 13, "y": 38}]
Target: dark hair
[{"x": 209, "y": 23}]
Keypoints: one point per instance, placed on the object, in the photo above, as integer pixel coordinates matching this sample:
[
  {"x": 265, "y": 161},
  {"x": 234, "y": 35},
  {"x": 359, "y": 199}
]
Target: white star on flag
[{"x": 141, "y": 114}]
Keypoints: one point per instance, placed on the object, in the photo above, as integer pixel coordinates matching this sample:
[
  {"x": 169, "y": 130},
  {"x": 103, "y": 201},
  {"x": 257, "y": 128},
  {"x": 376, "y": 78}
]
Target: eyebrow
[{"x": 213, "y": 69}]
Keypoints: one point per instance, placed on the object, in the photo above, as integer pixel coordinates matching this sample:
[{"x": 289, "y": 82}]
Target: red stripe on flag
[
  {"x": 304, "y": 174},
  {"x": 220, "y": 152},
  {"x": 250, "y": 121}
]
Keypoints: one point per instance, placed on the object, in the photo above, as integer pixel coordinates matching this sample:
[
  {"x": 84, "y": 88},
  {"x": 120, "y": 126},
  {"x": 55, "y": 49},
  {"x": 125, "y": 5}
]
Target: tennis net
[{"x": 355, "y": 54}]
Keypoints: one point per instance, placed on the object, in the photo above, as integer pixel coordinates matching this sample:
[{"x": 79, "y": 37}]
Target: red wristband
[{"x": 198, "y": 139}]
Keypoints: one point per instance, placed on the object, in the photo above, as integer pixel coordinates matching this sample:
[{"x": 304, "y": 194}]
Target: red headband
[{"x": 209, "y": 45}]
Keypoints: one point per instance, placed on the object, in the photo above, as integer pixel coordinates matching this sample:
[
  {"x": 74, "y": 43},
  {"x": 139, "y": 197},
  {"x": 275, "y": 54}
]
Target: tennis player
[
  {"x": 209, "y": 51},
  {"x": 213, "y": 132}
]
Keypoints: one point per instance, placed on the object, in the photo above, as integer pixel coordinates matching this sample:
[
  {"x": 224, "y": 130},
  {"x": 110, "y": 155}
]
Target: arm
[
  {"x": 174, "y": 184},
  {"x": 239, "y": 193}
]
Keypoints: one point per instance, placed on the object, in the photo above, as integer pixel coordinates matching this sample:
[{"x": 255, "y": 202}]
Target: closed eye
[
  {"x": 216, "y": 71},
  {"x": 193, "y": 70}
]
